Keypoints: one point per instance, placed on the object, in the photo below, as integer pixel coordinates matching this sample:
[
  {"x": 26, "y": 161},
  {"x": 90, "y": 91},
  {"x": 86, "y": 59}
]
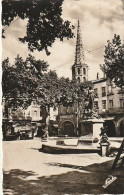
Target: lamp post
[{"x": 78, "y": 99}]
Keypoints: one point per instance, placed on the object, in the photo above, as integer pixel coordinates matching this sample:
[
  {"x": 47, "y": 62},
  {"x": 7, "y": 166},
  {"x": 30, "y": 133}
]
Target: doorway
[
  {"x": 68, "y": 129},
  {"x": 111, "y": 128}
]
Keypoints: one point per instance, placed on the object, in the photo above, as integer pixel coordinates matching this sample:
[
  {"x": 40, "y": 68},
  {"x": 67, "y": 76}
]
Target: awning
[
  {"x": 55, "y": 125},
  {"x": 40, "y": 124},
  {"x": 108, "y": 118}
]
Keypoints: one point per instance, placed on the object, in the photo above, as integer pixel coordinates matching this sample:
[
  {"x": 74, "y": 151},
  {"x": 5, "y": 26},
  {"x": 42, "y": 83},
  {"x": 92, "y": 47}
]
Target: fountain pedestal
[{"x": 91, "y": 128}]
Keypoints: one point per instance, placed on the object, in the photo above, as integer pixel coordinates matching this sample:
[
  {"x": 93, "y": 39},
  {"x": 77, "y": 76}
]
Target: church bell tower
[{"x": 79, "y": 68}]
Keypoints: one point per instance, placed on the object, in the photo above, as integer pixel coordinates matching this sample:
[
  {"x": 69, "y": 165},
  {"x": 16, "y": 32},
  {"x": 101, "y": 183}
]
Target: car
[
  {"x": 11, "y": 136},
  {"x": 26, "y": 134}
]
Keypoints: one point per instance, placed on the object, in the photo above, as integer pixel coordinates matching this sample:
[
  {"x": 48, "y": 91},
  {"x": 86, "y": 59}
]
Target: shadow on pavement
[
  {"x": 72, "y": 182},
  {"x": 92, "y": 168}
]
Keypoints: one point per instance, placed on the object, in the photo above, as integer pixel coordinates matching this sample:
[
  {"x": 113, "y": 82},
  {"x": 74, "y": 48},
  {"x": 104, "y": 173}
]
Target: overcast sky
[{"x": 99, "y": 20}]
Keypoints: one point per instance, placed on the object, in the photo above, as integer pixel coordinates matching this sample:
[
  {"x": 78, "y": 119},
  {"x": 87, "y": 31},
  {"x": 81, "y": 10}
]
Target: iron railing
[{"x": 116, "y": 110}]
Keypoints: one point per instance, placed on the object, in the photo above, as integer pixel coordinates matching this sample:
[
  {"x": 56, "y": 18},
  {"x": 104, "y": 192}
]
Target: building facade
[{"x": 109, "y": 100}]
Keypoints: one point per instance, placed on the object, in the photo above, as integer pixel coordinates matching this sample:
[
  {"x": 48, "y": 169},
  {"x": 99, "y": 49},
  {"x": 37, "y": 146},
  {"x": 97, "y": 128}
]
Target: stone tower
[{"x": 79, "y": 68}]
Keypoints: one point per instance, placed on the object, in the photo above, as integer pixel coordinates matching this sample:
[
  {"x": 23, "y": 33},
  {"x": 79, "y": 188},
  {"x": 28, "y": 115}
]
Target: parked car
[
  {"x": 22, "y": 134},
  {"x": 11, "y": 136},
  {"x": 26, "y": 134}
]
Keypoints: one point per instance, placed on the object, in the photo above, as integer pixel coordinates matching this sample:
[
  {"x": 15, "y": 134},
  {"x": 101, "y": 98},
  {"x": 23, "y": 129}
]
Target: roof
[{"x": 99, "y": 80}]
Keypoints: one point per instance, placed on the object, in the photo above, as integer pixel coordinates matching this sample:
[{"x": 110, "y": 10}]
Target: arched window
[
  {"x": 84, "y": 79},
  {"x": 79, "y": 79},
  {"x": 84, "y": 71},
  {"x": 79, "y": 71}
]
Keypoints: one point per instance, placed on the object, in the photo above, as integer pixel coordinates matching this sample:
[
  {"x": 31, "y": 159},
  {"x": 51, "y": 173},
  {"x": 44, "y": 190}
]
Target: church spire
[
  {"x": 79, "y": 68},
  {"x": 79, "y": 54}
]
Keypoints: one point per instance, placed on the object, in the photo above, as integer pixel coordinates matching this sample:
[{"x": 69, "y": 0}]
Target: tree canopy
[
  {"x": 27, "y": 80},
  {"x": 62, "y": 91},
  {"x": 113, "y": 65},
  {"x": 44, "y": 25},
  {"x": 20, "y": 81}
]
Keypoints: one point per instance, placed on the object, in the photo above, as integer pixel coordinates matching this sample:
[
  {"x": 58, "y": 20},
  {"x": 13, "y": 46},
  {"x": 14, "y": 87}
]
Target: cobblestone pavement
[{"x": 27, "y": 171}]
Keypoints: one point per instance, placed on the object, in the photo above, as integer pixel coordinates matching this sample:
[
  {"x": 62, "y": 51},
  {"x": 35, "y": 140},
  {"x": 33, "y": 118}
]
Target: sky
[{"x": 99, "y": 21}]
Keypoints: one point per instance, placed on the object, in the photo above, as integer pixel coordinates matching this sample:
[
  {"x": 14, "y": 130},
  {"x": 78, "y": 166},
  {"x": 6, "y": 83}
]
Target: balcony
[
  {"x": 110, "y": 93},
  {"x": 118, "y": 110},
  {"x": 121, "y": 91}
]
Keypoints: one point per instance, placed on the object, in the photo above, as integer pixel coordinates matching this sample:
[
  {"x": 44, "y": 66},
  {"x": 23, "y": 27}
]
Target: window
[
  {"x": 95, "y": 104},
  {"x": 122, "y": 103},
  {"x": 96, "y": 92},
  {"x": 104, "y": 104},
  {"x": 84, "y": 79},
  {"x": 79, "y": 71},
  {"x": 79, "y": 79},
  {"x": 84, "y": 71},
  {"x": 110, "y": 89},
  {"x": 103, "y": 91},
  {"x": 110, "y": 103}
]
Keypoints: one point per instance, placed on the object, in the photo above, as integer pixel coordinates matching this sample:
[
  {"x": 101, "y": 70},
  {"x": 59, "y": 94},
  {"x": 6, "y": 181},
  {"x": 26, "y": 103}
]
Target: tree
[
  {"x": 27, "y": 80},
  {"x": 113, "y": 65},
  {"x": 62, "y": 90},
  {"x": 20, "y": 81},
  {"x": 44, "y": 25},
  {"x": 56, "y": 91}
]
